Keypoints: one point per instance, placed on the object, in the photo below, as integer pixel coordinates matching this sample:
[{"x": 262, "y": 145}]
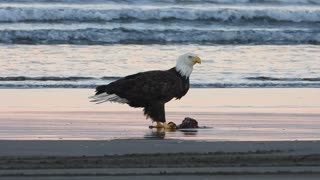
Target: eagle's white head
[{"x": 185, "y": 63}]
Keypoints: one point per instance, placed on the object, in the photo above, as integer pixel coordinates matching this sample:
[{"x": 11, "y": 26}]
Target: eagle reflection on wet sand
[{"x": 160, "y": 133}]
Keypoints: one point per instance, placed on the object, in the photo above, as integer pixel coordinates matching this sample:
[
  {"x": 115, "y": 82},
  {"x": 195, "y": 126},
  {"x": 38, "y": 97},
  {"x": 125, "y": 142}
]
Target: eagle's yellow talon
[
  {"x": 170, "y": 125},
  {"x": 159, "y": 125}
]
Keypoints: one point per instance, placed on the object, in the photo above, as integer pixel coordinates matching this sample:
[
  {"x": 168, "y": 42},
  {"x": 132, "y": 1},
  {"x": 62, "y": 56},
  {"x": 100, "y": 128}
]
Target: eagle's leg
[
  {"x": 159, "y": 125},
  {"x": 156, "y": 112}
]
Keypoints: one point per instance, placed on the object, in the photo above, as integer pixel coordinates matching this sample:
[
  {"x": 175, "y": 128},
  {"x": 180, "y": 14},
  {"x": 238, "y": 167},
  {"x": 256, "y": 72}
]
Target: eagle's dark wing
[{"x": 145, "y": 87}]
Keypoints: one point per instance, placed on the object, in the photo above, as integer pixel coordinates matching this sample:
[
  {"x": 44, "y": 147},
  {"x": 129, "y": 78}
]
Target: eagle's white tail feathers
[{"x": 104, "y": 97}]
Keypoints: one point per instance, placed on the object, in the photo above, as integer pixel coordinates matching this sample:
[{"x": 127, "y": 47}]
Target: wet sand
[{"x": 228, "y": 114}]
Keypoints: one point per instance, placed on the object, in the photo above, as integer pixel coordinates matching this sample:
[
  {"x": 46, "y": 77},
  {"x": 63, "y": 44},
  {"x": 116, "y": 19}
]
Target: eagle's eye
[{"x": 190, "y": 57}]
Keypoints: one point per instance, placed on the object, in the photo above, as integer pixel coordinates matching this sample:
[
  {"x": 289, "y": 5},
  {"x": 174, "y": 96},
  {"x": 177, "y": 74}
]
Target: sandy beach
[
  {"x": 252, "y": 68},
  {"x": 246, "y": 134}
]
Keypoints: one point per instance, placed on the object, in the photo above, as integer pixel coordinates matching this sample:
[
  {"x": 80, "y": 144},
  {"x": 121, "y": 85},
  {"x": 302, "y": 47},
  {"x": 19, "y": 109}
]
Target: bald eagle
[{"x": 150, "y": 90}]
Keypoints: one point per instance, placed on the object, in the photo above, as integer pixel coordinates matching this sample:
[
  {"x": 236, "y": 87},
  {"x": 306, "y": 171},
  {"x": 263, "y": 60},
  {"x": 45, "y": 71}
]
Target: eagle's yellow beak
[{"x": 196, "y": 60}]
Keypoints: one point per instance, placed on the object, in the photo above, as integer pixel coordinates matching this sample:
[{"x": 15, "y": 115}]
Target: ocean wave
[
  {"x": 53, "y": 78},
  {"x": 85, "y": 78},
  {"x": 256, "y": 85},
  {"x": 29, "y": 82},
  {"x": 304, "y": 2},
  {"x": 145, "y": 36},
  {"x": 265, "y": 78},
  {"x": 19, "y": 14},
  {"x": 203, "y": 85},
  {"x": 41, "y": 86}
]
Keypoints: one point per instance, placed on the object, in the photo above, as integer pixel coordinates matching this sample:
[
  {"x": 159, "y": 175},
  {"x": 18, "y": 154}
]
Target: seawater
[
  {"x": 74, "y": 66},
  {"x": 81, "y": 44},
  {"x": 160, "y": 22}
]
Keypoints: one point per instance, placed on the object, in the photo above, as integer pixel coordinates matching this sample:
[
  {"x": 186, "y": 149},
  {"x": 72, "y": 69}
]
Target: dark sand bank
[
  {"x": 144, "y": 158},
  {"x": 124, "y": 147},
  {"x": 178, "y": 177}
]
